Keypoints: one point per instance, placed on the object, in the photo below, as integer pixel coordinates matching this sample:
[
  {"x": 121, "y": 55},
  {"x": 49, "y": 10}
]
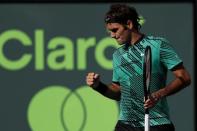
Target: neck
[{"x": 135, "y": 36}]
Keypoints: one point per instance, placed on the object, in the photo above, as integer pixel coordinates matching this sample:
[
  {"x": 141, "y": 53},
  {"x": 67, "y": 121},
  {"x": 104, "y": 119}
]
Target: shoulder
[
  {"x": 119, "y": 51},
  {"x": 157, "y": 42},
  {"x": 156, "y": 39}
]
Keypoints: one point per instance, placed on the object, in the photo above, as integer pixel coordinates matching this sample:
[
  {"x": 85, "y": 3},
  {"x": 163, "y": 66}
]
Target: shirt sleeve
[
  {"x": 168, "y": 57},
  {"x": 115, "y": 77}
]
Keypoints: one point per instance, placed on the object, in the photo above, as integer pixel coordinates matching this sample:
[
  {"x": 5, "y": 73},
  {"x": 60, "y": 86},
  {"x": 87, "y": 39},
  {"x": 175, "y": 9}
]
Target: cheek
[{"x": 125, "y": 35}]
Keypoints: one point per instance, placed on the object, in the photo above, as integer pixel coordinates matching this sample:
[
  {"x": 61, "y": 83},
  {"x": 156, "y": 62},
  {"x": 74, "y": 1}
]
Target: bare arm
[
  {"x": 182, "y": 80},
  {"x": 111, "y": 91}
]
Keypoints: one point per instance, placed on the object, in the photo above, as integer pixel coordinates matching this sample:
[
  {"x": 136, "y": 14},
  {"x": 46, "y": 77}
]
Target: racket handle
[{"x": 146, "y": 123}]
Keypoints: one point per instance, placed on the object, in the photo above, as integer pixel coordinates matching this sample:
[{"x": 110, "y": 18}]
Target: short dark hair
[{"x": 121, "y": 13}]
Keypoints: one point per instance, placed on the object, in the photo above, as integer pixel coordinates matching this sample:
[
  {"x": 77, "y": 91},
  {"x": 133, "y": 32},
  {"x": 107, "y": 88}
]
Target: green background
[{"x": 46, "y": 93}]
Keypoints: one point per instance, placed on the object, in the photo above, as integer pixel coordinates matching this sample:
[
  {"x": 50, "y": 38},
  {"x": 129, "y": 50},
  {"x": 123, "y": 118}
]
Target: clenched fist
[{"x": 92, "y": 79}]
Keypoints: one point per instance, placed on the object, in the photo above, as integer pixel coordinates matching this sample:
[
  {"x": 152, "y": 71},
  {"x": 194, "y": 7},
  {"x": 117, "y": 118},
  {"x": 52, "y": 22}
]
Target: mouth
[{"x": 119, "y": 40}]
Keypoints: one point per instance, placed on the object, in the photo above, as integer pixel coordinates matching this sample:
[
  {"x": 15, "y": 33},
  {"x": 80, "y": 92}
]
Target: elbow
[
  {"x": 187, "y": 78},
  {"x": 187, "y": 81}
]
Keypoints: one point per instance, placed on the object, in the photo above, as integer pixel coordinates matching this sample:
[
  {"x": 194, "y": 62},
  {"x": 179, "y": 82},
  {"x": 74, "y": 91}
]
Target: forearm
[
  {"x": 111, "y": 91},
  {"x": 173, "y": 87}
]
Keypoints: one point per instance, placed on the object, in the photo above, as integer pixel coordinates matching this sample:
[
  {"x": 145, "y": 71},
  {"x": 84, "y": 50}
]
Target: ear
[{"x": 129, "y": 24}]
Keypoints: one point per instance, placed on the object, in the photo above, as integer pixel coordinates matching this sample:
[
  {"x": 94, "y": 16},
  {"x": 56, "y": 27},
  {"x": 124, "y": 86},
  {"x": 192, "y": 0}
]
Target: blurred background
[{"x": 46, "y": 50}]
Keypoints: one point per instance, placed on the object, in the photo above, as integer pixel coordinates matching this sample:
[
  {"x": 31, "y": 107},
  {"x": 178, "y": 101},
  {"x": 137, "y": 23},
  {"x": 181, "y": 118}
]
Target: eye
[{"x": 114, "y": 30}]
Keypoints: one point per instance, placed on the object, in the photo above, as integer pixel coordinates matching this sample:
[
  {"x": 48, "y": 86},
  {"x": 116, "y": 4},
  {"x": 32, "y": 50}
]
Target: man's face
[{"x": 119, "y": 32}]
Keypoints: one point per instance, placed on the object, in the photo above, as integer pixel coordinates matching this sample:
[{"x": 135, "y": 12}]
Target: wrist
[
  {"x": 101, "y": 88},
  {"x": 159, "y": 94}
]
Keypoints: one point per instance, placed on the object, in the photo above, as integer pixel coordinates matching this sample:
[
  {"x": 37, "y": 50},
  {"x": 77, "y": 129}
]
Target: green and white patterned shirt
[{"x": 128, "y": 72}]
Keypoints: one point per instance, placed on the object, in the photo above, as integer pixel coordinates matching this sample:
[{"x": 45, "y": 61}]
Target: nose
[{"x": 113, "y": 35}]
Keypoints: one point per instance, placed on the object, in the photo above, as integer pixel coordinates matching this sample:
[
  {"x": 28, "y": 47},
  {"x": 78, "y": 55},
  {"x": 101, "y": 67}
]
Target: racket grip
[{"x": 147, "y": 123}]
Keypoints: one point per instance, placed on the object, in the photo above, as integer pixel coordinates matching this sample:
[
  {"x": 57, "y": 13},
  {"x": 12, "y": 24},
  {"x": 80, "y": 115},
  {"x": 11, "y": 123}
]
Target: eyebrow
[{"x": 112, "y": 30}]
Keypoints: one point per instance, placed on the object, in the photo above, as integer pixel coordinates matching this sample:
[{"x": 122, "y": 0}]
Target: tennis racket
[{"x": 146, "y": 81}]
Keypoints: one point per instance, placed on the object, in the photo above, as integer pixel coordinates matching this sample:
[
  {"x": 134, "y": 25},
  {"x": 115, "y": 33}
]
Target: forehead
[{"x": 110, "y": 26}]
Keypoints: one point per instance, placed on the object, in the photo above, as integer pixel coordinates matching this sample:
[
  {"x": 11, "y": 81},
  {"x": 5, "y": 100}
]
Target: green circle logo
[{"x": 57, "y": 108}]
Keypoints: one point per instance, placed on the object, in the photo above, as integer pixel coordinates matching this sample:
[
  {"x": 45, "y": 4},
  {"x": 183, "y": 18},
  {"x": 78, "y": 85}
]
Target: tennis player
[{"x": 122, "y": 22}]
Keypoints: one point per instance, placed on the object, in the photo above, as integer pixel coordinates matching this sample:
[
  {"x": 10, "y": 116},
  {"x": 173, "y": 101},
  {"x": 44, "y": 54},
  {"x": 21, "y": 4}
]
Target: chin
[{"x": 120, "y": 42}]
